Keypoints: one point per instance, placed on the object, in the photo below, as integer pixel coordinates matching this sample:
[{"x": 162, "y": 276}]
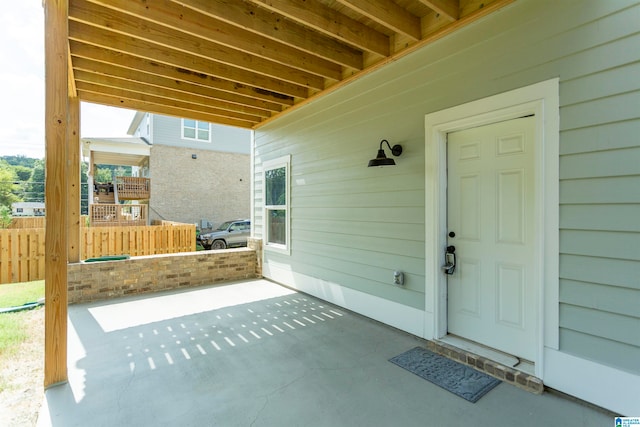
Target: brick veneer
[
  {"x": 146, "y": 274},
  {"x": 504, "y": 373},
  {"x": 256, "y": 245}
]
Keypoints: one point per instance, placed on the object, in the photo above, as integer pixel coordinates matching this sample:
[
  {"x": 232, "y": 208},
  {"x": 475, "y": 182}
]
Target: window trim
[
  {"x": 182, "y": 127},
  {"x": 284, "y": 161}
]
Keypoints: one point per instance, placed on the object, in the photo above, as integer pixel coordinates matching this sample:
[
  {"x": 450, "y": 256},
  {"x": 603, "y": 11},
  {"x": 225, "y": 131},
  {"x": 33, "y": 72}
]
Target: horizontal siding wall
[
  {"x": 600, "y": 194},
  {"x": 354, "y": 225},
  {"x": 168, "y": 131}
]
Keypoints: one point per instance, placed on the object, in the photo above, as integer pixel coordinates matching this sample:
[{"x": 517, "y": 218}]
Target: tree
[
  {"x": 84, "y": 189},
  {"x": 5, "y": 217},
  {"x": 102, "y": 176},
  {"x": 8, "y": 187},
  {"x": 35, "y": 188},
  {"x": 20, "y": 160},
  {"x": 105, "y": 173}
]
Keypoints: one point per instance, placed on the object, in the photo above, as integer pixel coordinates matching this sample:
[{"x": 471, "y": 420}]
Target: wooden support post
[
  {"x": 56, "y": 13},
  {"x": 73, "y": 180}
]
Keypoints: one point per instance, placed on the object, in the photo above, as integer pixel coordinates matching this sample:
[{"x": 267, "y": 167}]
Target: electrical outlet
[{"x": 398, "y": 278}]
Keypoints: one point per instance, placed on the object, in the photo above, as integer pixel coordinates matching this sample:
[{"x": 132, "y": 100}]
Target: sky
[{"x": 22, "y": 79}]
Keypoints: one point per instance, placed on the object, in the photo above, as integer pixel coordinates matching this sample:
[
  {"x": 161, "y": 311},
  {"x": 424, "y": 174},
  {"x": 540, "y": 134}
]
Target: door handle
[{"x": 449, "y": 260}]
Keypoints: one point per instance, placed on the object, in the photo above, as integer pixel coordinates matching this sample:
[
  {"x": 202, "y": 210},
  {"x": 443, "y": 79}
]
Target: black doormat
[{"x": 459, "y": 379}]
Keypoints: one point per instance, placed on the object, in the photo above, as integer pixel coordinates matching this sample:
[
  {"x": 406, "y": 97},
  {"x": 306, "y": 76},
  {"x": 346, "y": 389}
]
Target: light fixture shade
[{"x": 382, "y": 159}]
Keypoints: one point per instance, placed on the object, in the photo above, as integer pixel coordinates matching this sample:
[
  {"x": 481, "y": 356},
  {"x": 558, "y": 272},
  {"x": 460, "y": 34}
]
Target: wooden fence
[
  {"x": 21, "y": 255},
  {"x": 22, "y": 250},
  {"x": 27, "y": 222},
  {"x": 137, "y": 240}
]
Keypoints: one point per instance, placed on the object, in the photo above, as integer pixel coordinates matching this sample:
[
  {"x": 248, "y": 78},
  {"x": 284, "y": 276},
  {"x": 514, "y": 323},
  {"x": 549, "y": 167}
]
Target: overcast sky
[{"x": 22, "y": 79}]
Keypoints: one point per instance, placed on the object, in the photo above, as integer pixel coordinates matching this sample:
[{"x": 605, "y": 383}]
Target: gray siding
[
  {"x": 354, "y": 225},
  {"x": 168, "y": 131}
]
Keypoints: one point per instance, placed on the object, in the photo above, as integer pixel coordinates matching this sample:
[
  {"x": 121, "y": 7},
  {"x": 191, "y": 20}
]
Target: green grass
[
  {"x": 12, "y": 332},
  {"x": 15, "y": 294},
  {"x": 13, "y": 328}
]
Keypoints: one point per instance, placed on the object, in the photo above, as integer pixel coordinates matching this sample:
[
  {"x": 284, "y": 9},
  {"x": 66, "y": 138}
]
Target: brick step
[{"x": 504, "y": 373}]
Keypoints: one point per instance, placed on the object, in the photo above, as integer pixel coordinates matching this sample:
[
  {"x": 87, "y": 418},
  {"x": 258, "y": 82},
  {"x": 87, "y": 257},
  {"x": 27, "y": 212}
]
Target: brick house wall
[{"x": 214, "y": 186}]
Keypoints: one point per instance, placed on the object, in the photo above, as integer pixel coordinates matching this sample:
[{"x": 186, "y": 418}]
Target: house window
[
  {"x": 197, "y": 130},
  {"x": 276, "y": 235}
]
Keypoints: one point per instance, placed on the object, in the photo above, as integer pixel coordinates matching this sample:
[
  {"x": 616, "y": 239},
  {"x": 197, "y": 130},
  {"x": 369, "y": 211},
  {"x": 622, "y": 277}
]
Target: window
[
  {"x": 194, "y": 129},
  {"x": 276, "y": 205}
]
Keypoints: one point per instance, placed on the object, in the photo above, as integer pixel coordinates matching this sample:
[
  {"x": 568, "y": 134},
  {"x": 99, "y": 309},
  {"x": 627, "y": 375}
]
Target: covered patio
[{"x": 256, "y": 353}]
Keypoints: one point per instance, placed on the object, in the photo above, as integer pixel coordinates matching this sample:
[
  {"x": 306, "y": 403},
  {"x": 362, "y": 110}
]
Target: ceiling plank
[
  {"x": 89, "y": 76},
  {"x": 163, "y": 100},
  {"x": 152, "y": 107},
  {"x": 113, "y": 21},
  {"x": 84, "y": 64},
  {"x": 448, "y": 8},
  {"x": 464, "y": 21},
  {"x": 321, "y": 18},
  {"x": 187, "y": 20},
  {"x": 388, "y": 14},
  {"x": 265, "y": 99},
  {"x": 260, "y": 21},
  {"x": 143, "y": 49}
]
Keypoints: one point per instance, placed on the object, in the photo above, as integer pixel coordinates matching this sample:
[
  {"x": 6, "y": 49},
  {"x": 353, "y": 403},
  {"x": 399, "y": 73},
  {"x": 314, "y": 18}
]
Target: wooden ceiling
[{"x": 239, "y": 62}]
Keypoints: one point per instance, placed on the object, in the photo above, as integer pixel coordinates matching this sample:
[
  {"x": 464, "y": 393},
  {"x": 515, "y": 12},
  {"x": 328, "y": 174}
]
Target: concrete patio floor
[{"x": 257, "y": 354}]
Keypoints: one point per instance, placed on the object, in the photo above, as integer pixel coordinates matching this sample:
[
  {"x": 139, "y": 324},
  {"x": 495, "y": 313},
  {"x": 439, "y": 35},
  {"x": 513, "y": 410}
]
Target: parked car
[{"x": 228, "y": 234}]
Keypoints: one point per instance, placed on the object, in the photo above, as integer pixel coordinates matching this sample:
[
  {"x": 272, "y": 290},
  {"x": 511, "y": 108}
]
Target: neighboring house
[
  {"x": 200, "y": 172},
  {"x": 105, "y": 197},
  {"x": 543, "y": 210},
  {"x": 27, "y": 209}
]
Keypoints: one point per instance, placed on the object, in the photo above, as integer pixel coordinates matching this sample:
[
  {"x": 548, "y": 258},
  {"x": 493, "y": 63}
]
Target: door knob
[{"x": 452, "y": 234}]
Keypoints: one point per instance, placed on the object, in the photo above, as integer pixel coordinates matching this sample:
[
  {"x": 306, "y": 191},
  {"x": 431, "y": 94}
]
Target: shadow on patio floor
[{"x": 256, "y": 353}]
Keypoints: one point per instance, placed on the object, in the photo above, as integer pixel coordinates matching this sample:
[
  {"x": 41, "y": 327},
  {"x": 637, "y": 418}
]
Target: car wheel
[{"x": 219, "y": 244}]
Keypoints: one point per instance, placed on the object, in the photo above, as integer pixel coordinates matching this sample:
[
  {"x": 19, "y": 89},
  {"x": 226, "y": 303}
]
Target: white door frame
[{"x": 542, "y": 100}]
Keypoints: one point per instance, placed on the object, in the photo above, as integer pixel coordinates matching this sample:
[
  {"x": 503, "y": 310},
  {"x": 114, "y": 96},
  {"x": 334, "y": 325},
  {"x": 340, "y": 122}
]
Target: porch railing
[
  {"x": 133, "y": 188},
  {"x": 102, "y": 214}
]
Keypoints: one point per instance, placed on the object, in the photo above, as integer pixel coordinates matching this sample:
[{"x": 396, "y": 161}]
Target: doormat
[{"x": 459, "y": 379}]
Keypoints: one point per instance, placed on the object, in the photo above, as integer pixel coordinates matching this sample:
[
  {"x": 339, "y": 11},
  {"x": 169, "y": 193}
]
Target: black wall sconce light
[{"x": 382, "y": 159}]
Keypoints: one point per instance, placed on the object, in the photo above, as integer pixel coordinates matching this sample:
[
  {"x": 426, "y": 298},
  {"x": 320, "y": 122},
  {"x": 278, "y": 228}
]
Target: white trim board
[
  {"x": 399, "y": 316},
  {"x": 541, "y": 100},
  {"x": 601, "y": 385}
]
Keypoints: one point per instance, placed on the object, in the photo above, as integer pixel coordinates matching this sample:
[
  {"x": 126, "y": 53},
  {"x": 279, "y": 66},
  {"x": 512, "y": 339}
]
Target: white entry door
[{"x": 492, "y": 295}]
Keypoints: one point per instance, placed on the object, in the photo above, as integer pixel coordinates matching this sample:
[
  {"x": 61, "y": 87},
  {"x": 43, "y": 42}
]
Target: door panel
[
  {"x": 510, "y": 203},
  {"x": 492, "y": 294}
]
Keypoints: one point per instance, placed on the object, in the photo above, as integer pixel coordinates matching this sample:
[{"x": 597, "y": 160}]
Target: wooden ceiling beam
[
  {"x": 163, "y": 100},
  {"x": 450, "y": 9},
  {"x": 88, "y": 76},
  {"x": 316, "y": 15},
  {"x": 264, "y": 99},
  {"x": 151, "y": 51},
  {"x": 84, "y": 64},
  {"x": 180, "y": 18},
  {"x": 273, "y": 26},
  {"x": 388, "y": 14},
  {"x": 109, "y": 20},
  {"x": 152, "y": 107}
]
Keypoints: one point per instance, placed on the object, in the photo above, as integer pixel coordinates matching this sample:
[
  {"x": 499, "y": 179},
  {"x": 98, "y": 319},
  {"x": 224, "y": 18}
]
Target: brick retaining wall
[{"x": 146, "y": 274}]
